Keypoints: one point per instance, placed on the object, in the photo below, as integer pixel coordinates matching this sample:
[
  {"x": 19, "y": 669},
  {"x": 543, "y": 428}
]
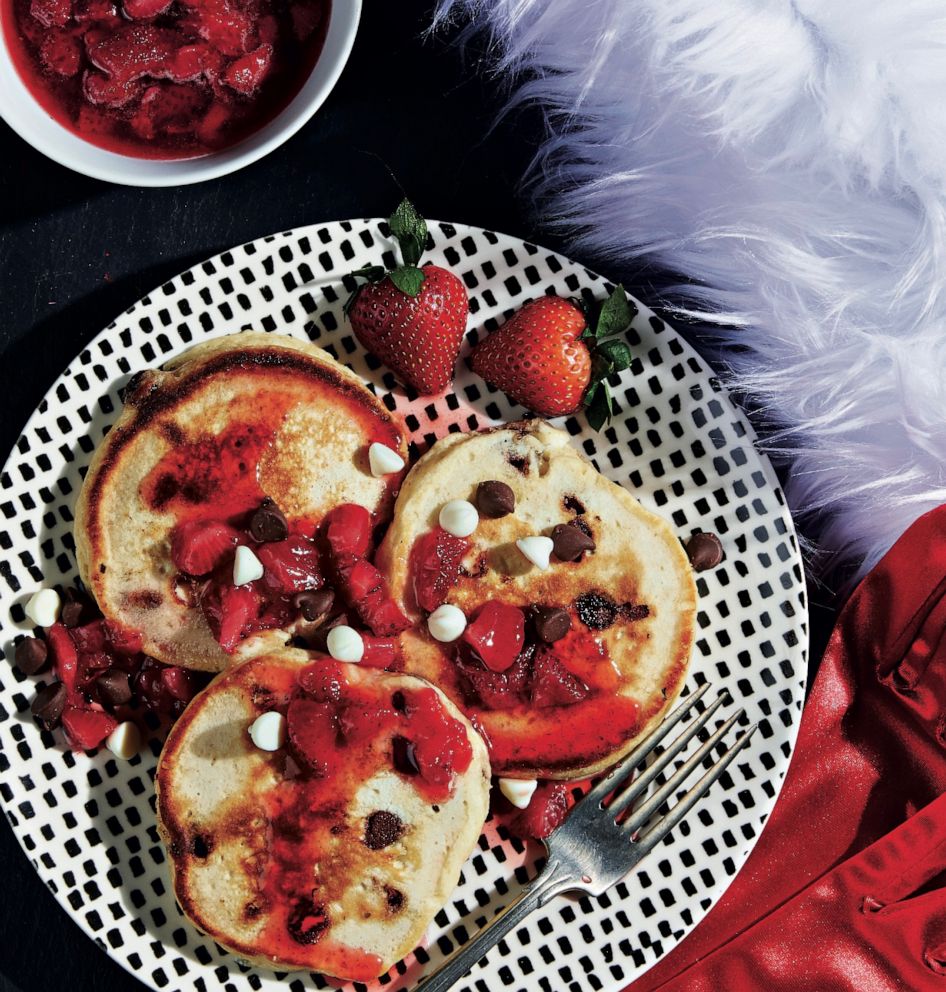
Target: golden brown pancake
[
  {"x": 632, "y": 600},
  {"x": 208, "y": 436},
  {"x": 338, "y": 869}
]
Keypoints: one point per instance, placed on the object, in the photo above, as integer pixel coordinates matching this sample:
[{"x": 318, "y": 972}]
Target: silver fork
[{"x": 597, "y": 845}]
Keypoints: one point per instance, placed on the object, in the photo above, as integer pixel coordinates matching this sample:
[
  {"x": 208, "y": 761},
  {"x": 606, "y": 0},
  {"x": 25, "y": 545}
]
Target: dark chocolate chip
[
  {"x": 519, "y": 462},
  {"x": 31, "y": 655},
  {"x": 398, "y": 701},
  {"x": 313, "y": 604},
  {"x": 495, "y": 499},
  {"x": 382, "y": 828},
  {"x": 113, "y": 687},
  {"x": 570, "y": 543},
  {"x": 551, "y": 623},
  {"x": 394, "y": 898},
  {"x": 201, "y": 845},
  {"x": 71, "y": 613},
  {"x": 405, "y": 761},
  {"x": 704, "y": 551},
  {"x": 48, "y": 705},
  {"x": 595, "y": 610},
  {"x": 269, "y": 523}
]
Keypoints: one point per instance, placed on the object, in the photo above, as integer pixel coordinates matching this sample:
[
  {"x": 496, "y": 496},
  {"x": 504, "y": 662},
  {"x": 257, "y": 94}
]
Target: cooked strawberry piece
[
  {"x": 85, "y": 727},
  {"x": 190, "y": 62},
  {"x": 145, "y": 10},
  {"x": 553, "y": 684},
  {"x": 290, "y": 566},
  {"x": 380, "y": 652},
  {"x": 199, "y": 546},
  {"x": 499, "y": 690},
  {"x": 232, "y": 613},
  {"x": 365, "y": 589},
  {"x": 121, "y": 639},
  {"x": 359, "y": 722},
  {"x": 90, "y": 11},
  {"x": 314, "y": 731},
  {"x": 347, "y": 530},
  {"x": 496, "y": 633},
  {"x": 90, "y": 637},
  {"x": 246, "y": 74},
  {"x": 441, "y": 747},
  {"x": 134, "y": 50},
  {"x": 52, "y": 13},
  {"x": 61, "y": 53},
  {"x": 102, "y": 91},
  {"x": 267, "y": 29},
  {"x": 547, "y": 810},
  {"x": 226, "y": 27},
  {"x": 323, "y": 680},
  {"x": 65, "y": 656},
  {"x": 171, "y": 109},
  {"x": 435, "y": 566}
]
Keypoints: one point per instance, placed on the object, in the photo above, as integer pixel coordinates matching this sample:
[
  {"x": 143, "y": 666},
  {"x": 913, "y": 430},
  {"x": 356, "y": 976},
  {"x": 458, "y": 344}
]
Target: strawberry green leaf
[
  {"x": 615, "y": 314},
  {"x": 408, "y": 279},
  {"x": 617, "y": 353},
  {"x": 370, "y": 272},
  {"x": 601, "y": 408},
  {"x": 410, "y": 231}
]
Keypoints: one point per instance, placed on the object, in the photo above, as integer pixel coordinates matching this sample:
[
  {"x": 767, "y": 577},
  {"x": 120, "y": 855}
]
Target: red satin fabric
[{"x": 841, "y": 892}]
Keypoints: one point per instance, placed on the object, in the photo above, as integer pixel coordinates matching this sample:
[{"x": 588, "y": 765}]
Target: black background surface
[{"x": 74, "y": 252}]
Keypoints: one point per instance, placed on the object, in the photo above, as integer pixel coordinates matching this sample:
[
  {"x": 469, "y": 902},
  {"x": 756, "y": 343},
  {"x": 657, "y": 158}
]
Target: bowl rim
[{"x": 27, "y": 118}]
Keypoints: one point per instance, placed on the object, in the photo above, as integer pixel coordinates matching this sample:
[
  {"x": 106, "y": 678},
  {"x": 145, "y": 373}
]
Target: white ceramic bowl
[{"x": 21, "y": 111}]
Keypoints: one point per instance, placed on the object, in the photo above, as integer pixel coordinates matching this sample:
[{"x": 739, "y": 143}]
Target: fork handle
[{"x": 534, "y": 895}]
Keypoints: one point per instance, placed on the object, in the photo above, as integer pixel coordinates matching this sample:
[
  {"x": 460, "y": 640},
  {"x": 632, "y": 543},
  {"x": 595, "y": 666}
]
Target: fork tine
[
  {"x": 662, "y": 827},
  {"x": 640, "y": 816},
  {"x": 599, "y": 791},
  {"x": 636, "y": 787}
]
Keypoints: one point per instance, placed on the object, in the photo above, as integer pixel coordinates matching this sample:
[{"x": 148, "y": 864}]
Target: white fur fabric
[{"x": 788, "y": 159}]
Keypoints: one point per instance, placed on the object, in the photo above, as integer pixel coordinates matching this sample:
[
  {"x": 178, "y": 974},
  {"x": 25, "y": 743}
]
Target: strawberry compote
[{"x": 164, "y": 79}]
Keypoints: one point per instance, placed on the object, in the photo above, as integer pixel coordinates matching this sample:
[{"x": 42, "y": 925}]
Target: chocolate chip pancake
[
  {"x": 333, "y": 851},
  {"x": 224, "y": 430},
  {"x": 599, "y": 640}
]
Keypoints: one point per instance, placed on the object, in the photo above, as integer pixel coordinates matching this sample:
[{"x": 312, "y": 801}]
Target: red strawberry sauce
[
  {"x": 341, "y": 734},
  {"x": 164, "y": 79}
]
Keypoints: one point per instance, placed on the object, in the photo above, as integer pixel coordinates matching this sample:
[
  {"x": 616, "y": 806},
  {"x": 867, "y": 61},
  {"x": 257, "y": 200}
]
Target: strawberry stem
[
  {"x": 609, "y": 355},
  {"x": 409, "y": 229}
]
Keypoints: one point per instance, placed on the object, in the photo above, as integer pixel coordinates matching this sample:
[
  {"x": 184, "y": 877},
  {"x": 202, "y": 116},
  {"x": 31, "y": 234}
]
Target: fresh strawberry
[
  {"x": 231, "y": 612},
  {"x": 496, "y": 633},
  {"x": 86, "y": 728},
  {"x": 348, "y": 530},
  {"x": 548, "y": 359},
  {"x": 198, "y": 546},
  {"x": 412, "y": 318}
]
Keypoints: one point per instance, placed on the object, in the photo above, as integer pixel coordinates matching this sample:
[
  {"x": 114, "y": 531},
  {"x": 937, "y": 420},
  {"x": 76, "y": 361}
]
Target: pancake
[
  {"x": 339, "y": 869},
  {"x": 219, "y": 428},
  {"x": 631, "y": 601}
]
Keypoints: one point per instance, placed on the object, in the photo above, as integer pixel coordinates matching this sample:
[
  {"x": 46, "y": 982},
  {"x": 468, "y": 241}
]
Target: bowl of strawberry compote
[{"x": 167, "y": 92}]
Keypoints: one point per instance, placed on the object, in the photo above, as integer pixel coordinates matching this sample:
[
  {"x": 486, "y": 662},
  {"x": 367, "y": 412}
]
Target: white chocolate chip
[
  {"x": 446, "y": 623},
  {"x": 246, "y": 566},
  {"x": 43, "y": 607},
  {"x": 345, "y": 644},
  {"x": 518, "y": 790},
  {"x": 383, "y": 460},
  {"x": 268, "y": 732},
  {"x": 459, "y": 517},
  {"x": 124, "y": 741},
  {"x": 537, "y": 549}
]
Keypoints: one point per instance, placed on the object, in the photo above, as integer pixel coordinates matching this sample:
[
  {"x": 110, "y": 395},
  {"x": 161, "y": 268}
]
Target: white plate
[{"x": 679, "y": 444}]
